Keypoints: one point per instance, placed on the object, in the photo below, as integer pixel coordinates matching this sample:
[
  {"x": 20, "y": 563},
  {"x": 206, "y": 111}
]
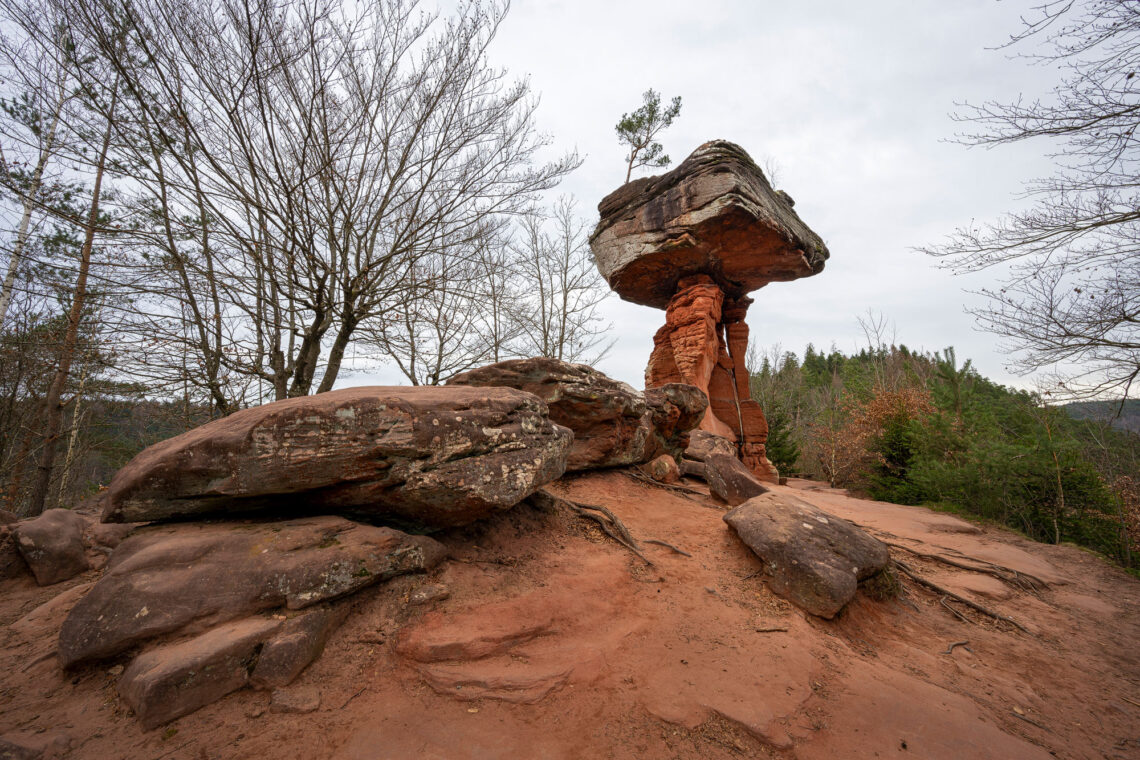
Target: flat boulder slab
[
  {"x": 813, "y": 559},
  {"x": 174, "y": 680},
  {"x": 715, "y": 214},
  {"x": 184, "y": 578},
  {"x": 426, "y": 456},
  {"x": 614, "y": 425},
  {"x": 52, "y": 545},
  {"x": 729, "y": 480}
]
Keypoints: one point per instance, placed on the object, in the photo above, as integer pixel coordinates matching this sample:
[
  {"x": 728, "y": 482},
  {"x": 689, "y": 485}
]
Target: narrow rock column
[{"x": 703, "y": 343}]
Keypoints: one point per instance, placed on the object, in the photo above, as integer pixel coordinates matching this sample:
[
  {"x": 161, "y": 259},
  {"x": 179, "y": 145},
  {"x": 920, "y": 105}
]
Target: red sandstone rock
[
  {"x": 52, "y": 545},
  {"x": 613, "y": 424},
  {"x": 691, "y": 348},
  {"x": 696, "y": 241},
  {"x": 663, "y": 469},
  {"x": 174, "y": 680},
  {"x": 715, "y": 214},
  {"x": 812, "y": 558},
  {"x": 185, "y": 577},
  {"x": 424, "y": 456}
]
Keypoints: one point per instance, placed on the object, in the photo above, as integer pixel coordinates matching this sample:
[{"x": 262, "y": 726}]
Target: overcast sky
[{"x": 850, "y": 100}]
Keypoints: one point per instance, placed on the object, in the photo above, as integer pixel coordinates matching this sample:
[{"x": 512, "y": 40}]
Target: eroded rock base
[{"x": 703, "y": 343}]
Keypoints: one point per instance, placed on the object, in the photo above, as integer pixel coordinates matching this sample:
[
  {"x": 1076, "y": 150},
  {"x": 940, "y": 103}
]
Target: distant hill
[{"x": 1103, "y": 410}]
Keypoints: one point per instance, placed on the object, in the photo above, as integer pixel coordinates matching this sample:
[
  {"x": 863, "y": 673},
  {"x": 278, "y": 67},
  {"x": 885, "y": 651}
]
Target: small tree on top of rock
[{"x": 639, "y": 129}]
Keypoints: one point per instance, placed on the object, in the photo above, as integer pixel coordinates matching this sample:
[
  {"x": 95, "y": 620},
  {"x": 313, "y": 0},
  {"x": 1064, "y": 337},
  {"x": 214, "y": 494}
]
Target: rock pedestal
[
  {"x": 703, "y": 343},
  {"x": 696, "y": 241}
]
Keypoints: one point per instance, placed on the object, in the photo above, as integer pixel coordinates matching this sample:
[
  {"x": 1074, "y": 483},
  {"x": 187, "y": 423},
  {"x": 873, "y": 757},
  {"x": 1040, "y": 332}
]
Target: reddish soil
[{"x": 556, "y": 642}]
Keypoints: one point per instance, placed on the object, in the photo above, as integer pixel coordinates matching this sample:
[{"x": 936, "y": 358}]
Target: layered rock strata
[
  {"x": 614, "y": 425},
  {"x": 695, "y": 242},
  {"x": 427, "y": 457}
]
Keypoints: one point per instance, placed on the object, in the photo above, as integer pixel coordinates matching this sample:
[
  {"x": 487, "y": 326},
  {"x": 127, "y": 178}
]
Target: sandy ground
[{"x": 555, "y": 642}]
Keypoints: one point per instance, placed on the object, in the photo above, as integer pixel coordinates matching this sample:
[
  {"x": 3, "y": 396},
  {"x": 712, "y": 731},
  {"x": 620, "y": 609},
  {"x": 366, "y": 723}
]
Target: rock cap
[{"x": 715, "y": 214}]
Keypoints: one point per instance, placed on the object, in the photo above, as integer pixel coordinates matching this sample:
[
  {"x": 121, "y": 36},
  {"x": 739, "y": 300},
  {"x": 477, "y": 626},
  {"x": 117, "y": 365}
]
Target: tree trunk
[
  {"x": 53, "y": 409},
  {"x": 26, "y": 218}
]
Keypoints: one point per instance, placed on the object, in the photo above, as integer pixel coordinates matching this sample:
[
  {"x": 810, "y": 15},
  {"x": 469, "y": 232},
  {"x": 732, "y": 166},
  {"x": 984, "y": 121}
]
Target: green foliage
[
  {"x": 639, "y": 130},
  {"x": 783, "y": 451},
  {"x": 922, "y": 429}
]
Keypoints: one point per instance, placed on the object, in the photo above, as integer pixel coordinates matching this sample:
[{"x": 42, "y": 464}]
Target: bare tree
[
  {"x": 562, "y": 287},
  {"x": 1071, "y": 299},
  {"x": 39, "y": 91},
  {"x": 441, "y": 329},
  {"x": 293, "y": 167}
]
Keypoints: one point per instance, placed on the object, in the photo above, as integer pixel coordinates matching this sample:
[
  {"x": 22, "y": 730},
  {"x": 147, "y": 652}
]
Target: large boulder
[
  {"x": 52, "y": 545},
  {"x": 613, "y": 424},
  {"x": 715, "y": 214},
  {"x": 426, "y": 456},
  {"x": 184, "y": 578},
  {"x": 813, "y": 559}
]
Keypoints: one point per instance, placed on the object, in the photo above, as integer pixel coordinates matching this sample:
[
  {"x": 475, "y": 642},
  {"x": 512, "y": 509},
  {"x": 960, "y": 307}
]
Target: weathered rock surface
[
  {"x": 703, "y": 343},
  {"x": 295, "y": 701},
  {"x": 171, "y": 681},
  {"x": 12, "y": 562},
  {"x": 613, "y": 424},
  {"x": 52, "y": 545},
  {"x": 428, "y": 456},
  {"x": 695, "y": 242},
  {"x": 703, "y": 445},
  {"x": 730, "y": 480},
  {"x": 299, "y": 642},
  {"x": 813, "y": 559},
  {"x": 715, "y": 214},
  {"x": 663, "y": 469},
  {"x": 176, "y": 578}
]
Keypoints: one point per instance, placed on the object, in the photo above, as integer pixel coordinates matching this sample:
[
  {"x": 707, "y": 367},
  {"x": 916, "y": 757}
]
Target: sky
[{"x": 851, "y": 101}]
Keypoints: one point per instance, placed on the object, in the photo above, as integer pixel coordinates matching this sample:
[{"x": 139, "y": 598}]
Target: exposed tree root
[
  {"x": 910, "y": 573},
  {"x": 964, "y": 644},
  {"x": 667, "y": 546},
  {"x": 1009, "y": 576},
  {"x": 610, "y": 524},
  {"x": 686, "y": 490}
]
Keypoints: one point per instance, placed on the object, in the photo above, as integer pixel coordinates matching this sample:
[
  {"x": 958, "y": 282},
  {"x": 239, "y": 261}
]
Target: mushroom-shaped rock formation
[{"x": 695, "y": 242}]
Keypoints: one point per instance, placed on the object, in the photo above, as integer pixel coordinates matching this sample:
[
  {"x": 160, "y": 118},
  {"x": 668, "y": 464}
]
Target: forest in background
[{"x": 924, "y": 429}]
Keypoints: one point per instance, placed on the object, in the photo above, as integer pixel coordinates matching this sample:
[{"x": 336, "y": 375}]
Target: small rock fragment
[
  {"x": 663, "y": 469},
  {"x": 428, "y": 593},
  {"x": 299, "y": 642},
  {"x": 295, "y": 701}
]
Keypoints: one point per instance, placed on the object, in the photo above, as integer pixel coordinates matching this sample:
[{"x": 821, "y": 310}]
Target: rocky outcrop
[
  {"x": 695, "y": 242},
  {"x": 52, "y": 545},
  {"x": 613, "y": 424},
  {"x": 715, "y": 214},
  {"x": 813, "y": 559},
  {"x": 426, "y": 456},
  {"x": 184, "y": 578}
]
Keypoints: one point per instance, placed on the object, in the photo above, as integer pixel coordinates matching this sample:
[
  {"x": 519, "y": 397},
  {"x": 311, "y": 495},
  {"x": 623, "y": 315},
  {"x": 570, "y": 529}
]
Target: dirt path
[{"x": 555, "y": 642}]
